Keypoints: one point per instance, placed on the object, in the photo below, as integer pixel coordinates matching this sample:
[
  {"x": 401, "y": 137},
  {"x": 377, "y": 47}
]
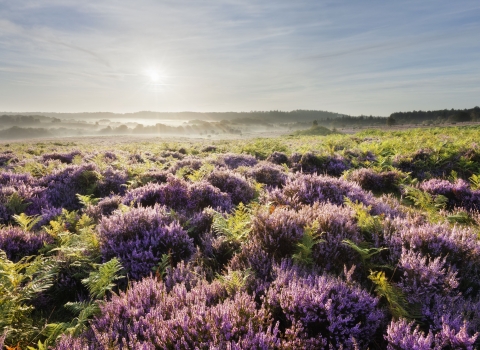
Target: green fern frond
[
  {"x": 201, "y": 173},
  {"x": 397, "y": 301},
  {"x": 453, "y": 176},
  {"x": 364, "y": 252},
  {"x": 440, "y": 202},
  {"x": 235, "y": 280},
  {"x": 474, "y": 182},
  {"x": 235, "y": 227},
  {"x": 16, "y": 203},
  {"x": 368, "y": 224},
  {"x": 87, "y": 200},
  {"x": 26, "y": 222},
  {"x": 161, "y": 268},
  {"x": 461, "y": 217},
  {"x": 304, "y": 249},
  {"x": 425, "y": 202},
  {"x": 20, "y": 282},
  {"x": 99, "y": 282}
]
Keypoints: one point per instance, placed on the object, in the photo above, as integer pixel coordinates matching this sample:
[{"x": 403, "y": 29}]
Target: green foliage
[
  {"x": 77, "y": 249},
  {"x": 316, "y": 130},
  {"x": 368, "y": 224},
  {"x": 236, "y": 226},
  {"x": 453, "y": 176},
  {"x": 201, "y": 173},
  {"x": 66, "y": 219},
  {"x": 262, "y": 148},
  {"x": 460, "y": 217},
  {"x": 19, "y": 283},
  {"x": 397, "y": 302},
  {"x": 26, "y": 222},
  {"x": 234, "y": 281},
  {"x": 99, "y": 283},
  {"x": 87, "y": 200},
  {"x": 365, "y": 253},
  {"x": 311, "y": 237},
  {"x": 88, "y": 180},
  {"x": 161, "y": 268},
  {"x": 425, "y": 202},
  {"x": 16, "y": 203},
  {"x": 475, "y": 182}
]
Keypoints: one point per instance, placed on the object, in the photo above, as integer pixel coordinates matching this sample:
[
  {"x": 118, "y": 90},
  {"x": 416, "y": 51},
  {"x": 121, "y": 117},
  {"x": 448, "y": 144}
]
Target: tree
[
  {"x": 391, "y": 121},
  {"x": 461, "y": 116}
]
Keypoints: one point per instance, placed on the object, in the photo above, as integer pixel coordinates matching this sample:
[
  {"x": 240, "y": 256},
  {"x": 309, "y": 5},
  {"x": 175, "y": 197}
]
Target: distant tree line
[{"x": 438, "y": 116}]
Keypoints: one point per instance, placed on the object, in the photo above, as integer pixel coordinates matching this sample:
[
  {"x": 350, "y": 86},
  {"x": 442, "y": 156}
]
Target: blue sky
[{"x": 353, "y": 57}]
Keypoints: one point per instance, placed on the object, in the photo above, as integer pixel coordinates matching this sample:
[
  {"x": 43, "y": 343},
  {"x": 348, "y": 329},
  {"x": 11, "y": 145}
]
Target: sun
[{"x": 154, "y": 76}]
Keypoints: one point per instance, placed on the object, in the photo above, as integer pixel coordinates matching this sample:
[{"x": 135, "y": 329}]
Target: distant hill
[
  {"x": 297, "y": 118},
  {"x": 259, "y": 116}
]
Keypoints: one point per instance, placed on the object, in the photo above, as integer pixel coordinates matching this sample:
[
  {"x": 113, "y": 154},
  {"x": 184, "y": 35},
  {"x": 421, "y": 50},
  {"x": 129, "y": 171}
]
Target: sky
[{"x": 354, "y": 57}]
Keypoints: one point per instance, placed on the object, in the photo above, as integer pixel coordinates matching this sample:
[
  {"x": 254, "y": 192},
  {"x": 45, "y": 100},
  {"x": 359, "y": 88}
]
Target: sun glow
[{"x": 154, "y": 76}]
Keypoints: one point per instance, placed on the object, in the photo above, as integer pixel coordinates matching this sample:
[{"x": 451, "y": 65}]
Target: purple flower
[
  {"x": 325, "y": 307},
  {"x": 140, "y": 237},
  {"x": 18, "y": 243},
  {"x": 268, "y": 174},
  {"x": 232, "y": 183}
]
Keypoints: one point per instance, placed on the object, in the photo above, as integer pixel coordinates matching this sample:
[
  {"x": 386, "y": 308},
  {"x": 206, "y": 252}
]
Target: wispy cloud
[{"x": 370, "y": 57}]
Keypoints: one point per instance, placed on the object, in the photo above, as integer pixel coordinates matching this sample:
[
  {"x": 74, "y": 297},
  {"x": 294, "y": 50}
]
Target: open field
[{"x": 357, "y": 240}]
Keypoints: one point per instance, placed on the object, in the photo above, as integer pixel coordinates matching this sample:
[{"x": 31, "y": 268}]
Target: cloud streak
[{"x": 368, "y": 57}]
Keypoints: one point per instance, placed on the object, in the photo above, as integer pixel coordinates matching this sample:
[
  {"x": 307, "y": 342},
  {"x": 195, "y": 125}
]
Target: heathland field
[{"x": 361, "y": 241}]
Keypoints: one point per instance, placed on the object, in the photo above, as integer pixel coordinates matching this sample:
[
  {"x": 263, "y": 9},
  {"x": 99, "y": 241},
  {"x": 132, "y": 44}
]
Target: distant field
[{"x": 356, "y": 240}]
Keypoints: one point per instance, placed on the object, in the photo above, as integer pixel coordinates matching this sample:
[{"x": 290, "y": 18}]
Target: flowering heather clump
[
  {"x": 326, "y": 308},
  {"x": 311, "y": 163},
  {"x": 458, "y": 194},
  {"x": 156, "y": 176},
  {"x": 278, "y": 233},
  {"x": 278, "y": 158},
  {"x": 112, "y": 181},
  {"x": 422, "y": 277},
  {"x": 18, "y": 243},
  {"x": 235, "y": 185},
  {"x": 371, "y": 180},
  {"x": 14, "y": 179},
  {"x": 192, "y": 163},
  {"x": 268, "y": 174},
  {"x": 233, "y": 161},
  {"x": 149, "y": 317},
  {"x": 48, "y": 214},
  {"x": 63, "y": 185},
  {"x": 179, "y": 195},
  {"x": 7, "y": 157},
  {"x": 308, "y": 189},
  {"x": 110, "y": 156},
  {"x": 404, "y": 335},
  {"x": 459, "y": 246},
  {"x": 334, "y": 166},
  {"x": 62, "y": 157},
  {"x": 104, "y": 207},
  {"x": 139, "y": 238},
  {"x": 5, "y": 214},
  {"x": 173, "y": 194},
  {"x": 17, "y": 198},
  {"x": 202, "y": 195},
  {"x": 172, "y": 154}
]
